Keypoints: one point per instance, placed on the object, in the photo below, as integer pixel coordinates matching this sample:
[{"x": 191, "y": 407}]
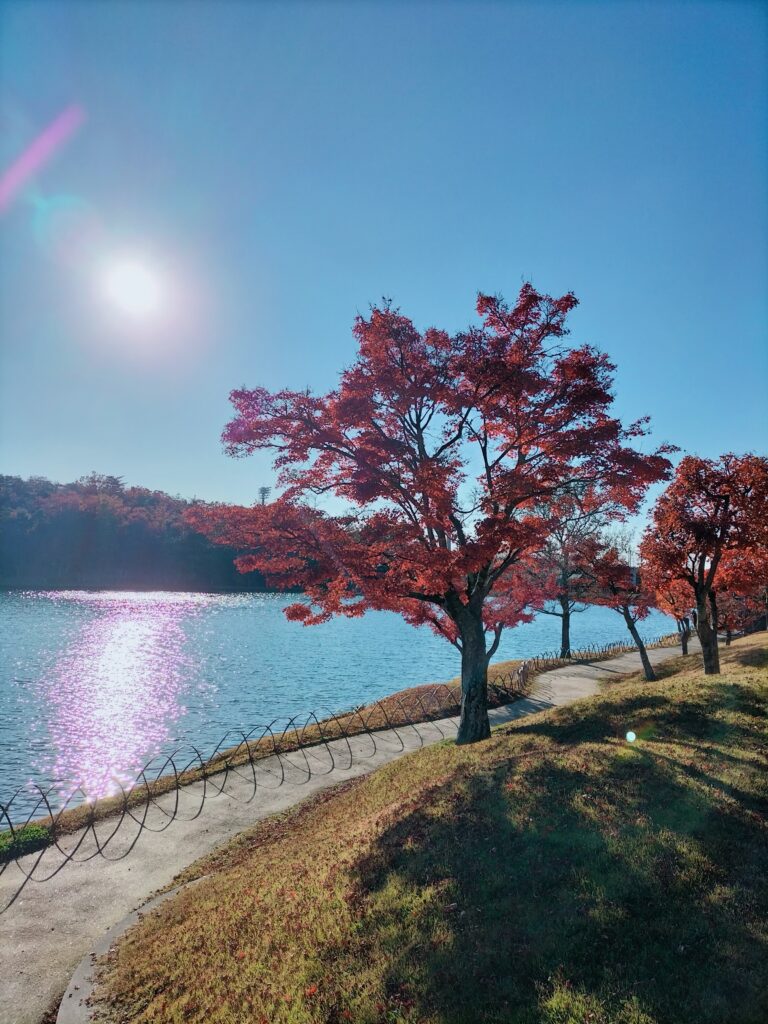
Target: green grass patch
[
  {"x": 554, "y": 874},
  {"x": 28, "y": 839}
]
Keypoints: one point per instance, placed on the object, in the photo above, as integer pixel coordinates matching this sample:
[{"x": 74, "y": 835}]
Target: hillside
[
  {"x": 555, "y": 873},
  {"x": 97, "y": 533}
]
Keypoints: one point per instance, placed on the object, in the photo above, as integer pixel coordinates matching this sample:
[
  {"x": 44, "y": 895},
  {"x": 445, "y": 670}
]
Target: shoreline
[{"x": 505, "y": 684}]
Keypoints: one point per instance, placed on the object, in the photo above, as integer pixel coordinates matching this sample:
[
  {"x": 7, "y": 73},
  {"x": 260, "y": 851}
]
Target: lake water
[{"x": 93, "y": 684}]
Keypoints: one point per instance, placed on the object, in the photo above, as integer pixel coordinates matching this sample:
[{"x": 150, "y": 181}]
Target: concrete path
[{"x": 54, "y": 924}]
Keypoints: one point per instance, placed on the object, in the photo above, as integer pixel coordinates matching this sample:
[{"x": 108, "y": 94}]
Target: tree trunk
[
  {"x": 565, "y": 628},
  {"x": 684, "y": 630},
  {"x": 474, "y": 724},
  {"x": 707, "y": 636},
  {"x": 650, "y": 675}
]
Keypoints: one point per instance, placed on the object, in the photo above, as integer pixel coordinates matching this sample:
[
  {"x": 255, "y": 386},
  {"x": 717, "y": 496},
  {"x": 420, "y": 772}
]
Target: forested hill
[{"x": 96, "y": 533}]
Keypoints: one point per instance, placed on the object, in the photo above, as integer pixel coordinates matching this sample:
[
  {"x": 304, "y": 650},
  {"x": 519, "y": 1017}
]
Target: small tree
[
  {"x": 561, "y": 569},
  {"x": 618, "y": 584},
  {"x": 713, "y": 509},
  {"x": 742, "y": 590},
  {"x": 675, "y": 599},
  {"x": 737, "y": 612},
  {"x": 450, "y": 452},
  {"x": 264, "y": 493},
  {"x": 101, "y": 483}
]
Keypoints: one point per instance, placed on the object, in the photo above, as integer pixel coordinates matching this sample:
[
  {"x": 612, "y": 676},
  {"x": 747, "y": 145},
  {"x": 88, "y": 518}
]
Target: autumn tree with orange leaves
[
  {"x": 619, "y": 584},
  {"x": 742, "y": 590},
  {"x": 674, "y": 598},
  {"x": 710, "y": 527},
  {"x": 448, "y": 453},
  {"x": 562, "y": 568}
]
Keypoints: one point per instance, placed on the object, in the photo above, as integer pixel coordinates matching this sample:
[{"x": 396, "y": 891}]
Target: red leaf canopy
[
  {"x": 448, "y": 453},
  {"x": 711, "y": 525}
]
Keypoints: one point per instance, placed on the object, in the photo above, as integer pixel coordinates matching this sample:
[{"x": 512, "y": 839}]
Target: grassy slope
[{"x": 553, "y": 874}]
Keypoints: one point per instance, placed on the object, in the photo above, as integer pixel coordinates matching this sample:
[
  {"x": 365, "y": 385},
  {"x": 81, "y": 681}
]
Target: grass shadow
[
  {"x": 754, "y": 658},
  {"x": 603, "y": 720},
  {"x": 571, "y": 894}
]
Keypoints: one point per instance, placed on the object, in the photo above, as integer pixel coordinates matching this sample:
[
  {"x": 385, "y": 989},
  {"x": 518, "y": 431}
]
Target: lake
[{"x": 93, "y": 684}]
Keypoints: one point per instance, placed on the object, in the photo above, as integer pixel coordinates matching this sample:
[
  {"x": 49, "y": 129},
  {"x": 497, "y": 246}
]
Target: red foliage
[
  {"x": 561, "y": 569},
  {"x": 450, "y": 451},
  {"x": 619, "y": 585},
  {"x": 713, "y": 512},
  {"x": 674, "y": 598},
  {"x": 710, "y": 531},
  {"x": 737, "y": 612},
  {"x": 742, "y": 589},
  {"x": 744, "y": 572}
]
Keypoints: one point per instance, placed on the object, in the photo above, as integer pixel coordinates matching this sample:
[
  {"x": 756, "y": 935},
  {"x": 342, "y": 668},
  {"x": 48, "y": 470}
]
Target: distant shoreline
[{"x": 127, "y": 589}]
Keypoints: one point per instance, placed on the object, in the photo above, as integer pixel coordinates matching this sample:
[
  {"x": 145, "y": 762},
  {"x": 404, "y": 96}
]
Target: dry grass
[{"x": 554, "y": 874}]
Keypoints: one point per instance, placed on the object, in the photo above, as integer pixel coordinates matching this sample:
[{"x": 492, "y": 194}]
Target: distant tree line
[{"x": 97, "y": 533}]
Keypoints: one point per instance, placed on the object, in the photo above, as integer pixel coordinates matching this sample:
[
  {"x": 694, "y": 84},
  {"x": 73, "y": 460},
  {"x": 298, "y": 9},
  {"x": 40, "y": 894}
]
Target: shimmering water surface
[{"x": 93, "y": 684}]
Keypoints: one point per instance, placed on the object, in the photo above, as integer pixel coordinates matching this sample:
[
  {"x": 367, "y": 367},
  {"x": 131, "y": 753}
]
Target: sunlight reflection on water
[
  {"x": 94, "y": 684},
  {"x": 114, "y": 693}
]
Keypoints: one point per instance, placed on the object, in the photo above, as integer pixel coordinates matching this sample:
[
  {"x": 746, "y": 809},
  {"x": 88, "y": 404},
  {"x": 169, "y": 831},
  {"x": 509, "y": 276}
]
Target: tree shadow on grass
[
  {"x": 756, "y": 658},
  {"x": 576, "y": 725},
  {"x": 690, "y": 720},
  {"x": 696, "y": 747},
  {"x": 623, "y": 893},
  {"x": 737, "y": 697},
  {"x": 756, "y": 803}
]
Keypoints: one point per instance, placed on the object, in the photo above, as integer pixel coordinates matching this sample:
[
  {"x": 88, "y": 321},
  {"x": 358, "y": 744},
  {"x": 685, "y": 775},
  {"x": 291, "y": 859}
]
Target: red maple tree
[
  {"x": 449, "y": 452},
  {"x": 741, "y": 598},
  {"x": 714, "y": 512},
  {"x": 618, "y": 584},
  {"x": 738, "y": 612},
  {"x": 744, "y": 571},
  {"x": 562, "y": 567},
  {"x": 674, "y": 598}
]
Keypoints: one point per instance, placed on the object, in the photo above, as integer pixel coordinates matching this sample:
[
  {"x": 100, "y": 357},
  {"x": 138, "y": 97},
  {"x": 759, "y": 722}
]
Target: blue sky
[{"x": 286, "y": 165}]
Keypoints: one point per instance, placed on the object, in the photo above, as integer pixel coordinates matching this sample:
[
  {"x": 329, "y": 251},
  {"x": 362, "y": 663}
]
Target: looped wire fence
[{"x": 43, "y": 829}]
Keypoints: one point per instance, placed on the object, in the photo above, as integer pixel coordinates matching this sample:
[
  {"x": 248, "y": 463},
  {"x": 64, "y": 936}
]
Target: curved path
[{"x": 54, "y": 924}]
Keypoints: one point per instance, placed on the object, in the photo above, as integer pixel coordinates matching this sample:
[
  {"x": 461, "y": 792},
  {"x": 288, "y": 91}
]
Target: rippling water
[{"x": 93, "y": 684}]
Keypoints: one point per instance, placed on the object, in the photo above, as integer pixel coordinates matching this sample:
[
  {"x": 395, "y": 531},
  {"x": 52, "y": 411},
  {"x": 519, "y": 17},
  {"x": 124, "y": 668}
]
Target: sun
[{"x": 134, "y": 287}]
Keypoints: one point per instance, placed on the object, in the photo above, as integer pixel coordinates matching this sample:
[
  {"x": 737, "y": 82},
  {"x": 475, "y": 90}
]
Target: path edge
[{"x": 74, "y": 1007}]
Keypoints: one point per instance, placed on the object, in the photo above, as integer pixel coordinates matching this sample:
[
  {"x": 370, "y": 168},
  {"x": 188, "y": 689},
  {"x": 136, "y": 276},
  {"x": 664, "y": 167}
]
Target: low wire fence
[
  {"x": 592, "y": 652},
  {"x": 43, "y": 829}
]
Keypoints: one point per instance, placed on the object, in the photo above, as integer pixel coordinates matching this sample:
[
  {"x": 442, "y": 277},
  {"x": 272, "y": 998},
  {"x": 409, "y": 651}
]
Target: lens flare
[
  {"x": 631, "y": 737},
  {"x": 67, "y": 229},
  {"x": 39, "y": 152}
]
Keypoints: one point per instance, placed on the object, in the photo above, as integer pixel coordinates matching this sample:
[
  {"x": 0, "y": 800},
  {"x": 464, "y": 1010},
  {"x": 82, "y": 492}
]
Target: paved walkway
[{"x": 54, "y": 924}]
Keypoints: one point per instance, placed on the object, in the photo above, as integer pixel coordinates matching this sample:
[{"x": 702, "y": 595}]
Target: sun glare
[{"x": 134, "y": 287}]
